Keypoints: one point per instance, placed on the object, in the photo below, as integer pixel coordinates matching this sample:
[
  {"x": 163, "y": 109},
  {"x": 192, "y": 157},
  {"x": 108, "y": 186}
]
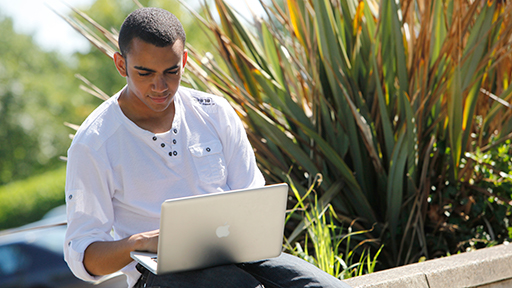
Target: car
[{"x": 32, "y": 257}]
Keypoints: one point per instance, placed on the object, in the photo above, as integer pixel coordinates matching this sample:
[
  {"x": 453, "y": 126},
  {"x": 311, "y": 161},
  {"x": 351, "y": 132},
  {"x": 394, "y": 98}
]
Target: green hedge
[{"x": 25, "y": 201}]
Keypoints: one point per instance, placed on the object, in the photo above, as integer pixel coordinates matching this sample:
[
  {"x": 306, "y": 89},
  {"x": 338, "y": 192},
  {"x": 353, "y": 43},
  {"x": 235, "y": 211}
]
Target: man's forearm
[{"x": 103, "y": 258}]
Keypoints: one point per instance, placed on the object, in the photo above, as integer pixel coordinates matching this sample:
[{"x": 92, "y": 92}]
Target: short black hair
[{"x": 152, "y": 25}]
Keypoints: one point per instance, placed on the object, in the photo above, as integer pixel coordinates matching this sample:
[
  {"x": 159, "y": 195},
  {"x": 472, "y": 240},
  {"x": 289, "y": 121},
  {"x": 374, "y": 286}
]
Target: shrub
[{"x": 28, "y": 200}]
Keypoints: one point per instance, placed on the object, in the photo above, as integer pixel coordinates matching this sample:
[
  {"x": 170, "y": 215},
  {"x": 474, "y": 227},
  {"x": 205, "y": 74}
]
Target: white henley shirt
[{"x": 119, "y": 174}]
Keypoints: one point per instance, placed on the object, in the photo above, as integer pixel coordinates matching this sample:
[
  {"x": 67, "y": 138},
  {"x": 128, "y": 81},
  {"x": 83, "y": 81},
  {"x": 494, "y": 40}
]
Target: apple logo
[{"x": 223, "y": 231}]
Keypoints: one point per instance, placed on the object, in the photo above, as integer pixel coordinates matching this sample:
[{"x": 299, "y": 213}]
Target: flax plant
[{"x": 379, "y": 97}]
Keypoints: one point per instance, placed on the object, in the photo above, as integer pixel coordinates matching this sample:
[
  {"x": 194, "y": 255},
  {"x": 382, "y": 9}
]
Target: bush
[
  {"x": 25, "y": 201},
  {"x": 481, "y": 210}
]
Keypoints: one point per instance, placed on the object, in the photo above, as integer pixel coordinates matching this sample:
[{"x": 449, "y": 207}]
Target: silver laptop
[{"x": 219, "y": 228}]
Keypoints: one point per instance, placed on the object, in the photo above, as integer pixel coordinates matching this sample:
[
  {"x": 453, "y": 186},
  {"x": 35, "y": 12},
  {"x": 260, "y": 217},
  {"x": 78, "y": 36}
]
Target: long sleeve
[{"x": 89, "y": 207}]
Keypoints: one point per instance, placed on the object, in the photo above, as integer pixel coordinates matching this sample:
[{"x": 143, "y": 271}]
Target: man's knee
[{"x": 290, "y": 271}]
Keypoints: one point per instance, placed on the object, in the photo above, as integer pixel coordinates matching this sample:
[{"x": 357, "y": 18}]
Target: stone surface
[
  {"x": 387, "y": 280},
  {"x": 502, "y": 284},
  {"x": 481, "y": 268}
]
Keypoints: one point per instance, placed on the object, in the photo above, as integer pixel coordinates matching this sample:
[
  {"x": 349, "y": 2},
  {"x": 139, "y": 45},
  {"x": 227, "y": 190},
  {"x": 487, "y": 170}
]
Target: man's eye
[
  {"x": 173, "y": 72},
  {"x": 144, "y": 74}
]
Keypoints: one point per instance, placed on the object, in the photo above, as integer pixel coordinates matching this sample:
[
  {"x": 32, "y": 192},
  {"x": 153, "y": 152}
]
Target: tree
[{"x": 37, "y": 95}]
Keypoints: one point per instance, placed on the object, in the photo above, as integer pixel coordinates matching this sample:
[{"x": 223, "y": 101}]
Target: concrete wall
[{"x": 484, "y": 268}]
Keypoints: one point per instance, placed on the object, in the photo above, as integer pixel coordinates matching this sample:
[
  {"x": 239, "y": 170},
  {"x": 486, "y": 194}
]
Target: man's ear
[
  {"x": 185, "y": 56},
  {"x": 120, "y": 63}
]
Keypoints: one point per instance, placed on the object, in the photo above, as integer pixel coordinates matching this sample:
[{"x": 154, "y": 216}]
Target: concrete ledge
[{"x": 484, "y": 268}]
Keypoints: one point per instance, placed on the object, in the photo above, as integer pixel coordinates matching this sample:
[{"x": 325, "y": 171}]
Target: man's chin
[{"x": 159, "y": 106}]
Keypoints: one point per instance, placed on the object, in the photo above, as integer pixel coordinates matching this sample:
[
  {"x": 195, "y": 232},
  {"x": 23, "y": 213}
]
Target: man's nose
[{"x": 159, "y": 84}]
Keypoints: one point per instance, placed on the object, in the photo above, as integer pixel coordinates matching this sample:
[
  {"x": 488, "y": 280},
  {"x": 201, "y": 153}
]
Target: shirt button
[
  {"x": 170, "y": 154},
  {"x": 175, "y": 131},
  {"x": 154, "y": 138},
  {"x": 70, "y": 197},
  {"x": 163, "y": 145},
  {"x": 208, "y": 149},
  {"x": 174, "y": 141},
  {"x": 175, "y": 153}
]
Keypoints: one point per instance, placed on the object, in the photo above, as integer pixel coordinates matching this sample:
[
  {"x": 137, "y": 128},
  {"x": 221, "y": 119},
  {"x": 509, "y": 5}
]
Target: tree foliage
[
  {"x": 37, "y": 95},
  {"x": 38, "y": 91}
]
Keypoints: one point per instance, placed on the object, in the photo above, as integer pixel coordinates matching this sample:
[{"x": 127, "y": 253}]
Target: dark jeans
[{"x": 283, "y": 271}]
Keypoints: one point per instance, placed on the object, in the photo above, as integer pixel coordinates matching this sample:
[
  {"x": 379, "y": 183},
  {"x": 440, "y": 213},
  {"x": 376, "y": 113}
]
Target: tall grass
[{"x": 327, "y": 235}]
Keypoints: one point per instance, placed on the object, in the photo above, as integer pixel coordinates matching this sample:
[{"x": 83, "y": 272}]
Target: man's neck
[{"x": 155, "y": 122}]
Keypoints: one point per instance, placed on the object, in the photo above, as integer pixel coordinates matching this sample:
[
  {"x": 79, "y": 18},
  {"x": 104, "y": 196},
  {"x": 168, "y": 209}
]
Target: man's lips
[{"x": 159, "y": 99}]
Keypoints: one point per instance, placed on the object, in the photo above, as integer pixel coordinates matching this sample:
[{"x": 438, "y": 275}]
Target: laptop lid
[{"x": 219, "y": 228}]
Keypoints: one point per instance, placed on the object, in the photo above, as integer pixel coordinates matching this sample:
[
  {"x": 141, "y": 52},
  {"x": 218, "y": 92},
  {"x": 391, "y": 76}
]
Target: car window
[{"x": 12, "y": 259}]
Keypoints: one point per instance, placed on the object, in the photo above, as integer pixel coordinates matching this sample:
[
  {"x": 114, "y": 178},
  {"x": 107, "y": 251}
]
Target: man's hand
[
  {"x": 106, "y": 257},
  {"x": 147, "y": 241}
]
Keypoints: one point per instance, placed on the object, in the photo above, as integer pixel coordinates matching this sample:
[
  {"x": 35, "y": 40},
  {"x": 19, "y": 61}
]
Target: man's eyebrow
[
  {"x": 172, "y": 68},
  {"x": 151, "y": 70},
  {"x": 143, "y": 68}
]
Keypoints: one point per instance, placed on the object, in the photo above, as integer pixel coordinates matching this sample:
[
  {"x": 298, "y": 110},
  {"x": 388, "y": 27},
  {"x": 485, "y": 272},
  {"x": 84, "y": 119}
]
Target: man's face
[{"x": 153, "y": 74}]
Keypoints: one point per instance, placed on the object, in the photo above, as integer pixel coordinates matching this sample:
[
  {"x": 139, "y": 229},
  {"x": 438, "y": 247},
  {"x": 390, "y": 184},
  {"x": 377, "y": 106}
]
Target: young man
[{"x": 153, "y": 141}]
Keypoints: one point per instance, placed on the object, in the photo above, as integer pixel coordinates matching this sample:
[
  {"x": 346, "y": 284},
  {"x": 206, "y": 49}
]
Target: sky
[{"x": 34, "y": 17}]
